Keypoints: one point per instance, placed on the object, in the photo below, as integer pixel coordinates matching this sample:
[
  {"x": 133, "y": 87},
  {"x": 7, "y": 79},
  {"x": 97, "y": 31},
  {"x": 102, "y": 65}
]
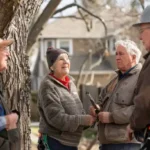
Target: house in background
[{"x": 85, "y": 48}]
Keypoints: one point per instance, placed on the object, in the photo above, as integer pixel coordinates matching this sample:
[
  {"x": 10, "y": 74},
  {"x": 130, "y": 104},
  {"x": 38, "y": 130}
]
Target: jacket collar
[
  {"x": 134, "y": 70},
  {"x": 52, "y": 78},
  {"x": 146, "y": 55}
]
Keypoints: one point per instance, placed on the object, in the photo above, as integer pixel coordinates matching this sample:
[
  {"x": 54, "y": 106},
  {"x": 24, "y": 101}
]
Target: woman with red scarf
[{"x": 62, "y": 117}]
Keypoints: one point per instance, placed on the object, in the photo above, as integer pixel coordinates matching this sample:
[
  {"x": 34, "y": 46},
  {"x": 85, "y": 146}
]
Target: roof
[{"x": 114, "y": 18}]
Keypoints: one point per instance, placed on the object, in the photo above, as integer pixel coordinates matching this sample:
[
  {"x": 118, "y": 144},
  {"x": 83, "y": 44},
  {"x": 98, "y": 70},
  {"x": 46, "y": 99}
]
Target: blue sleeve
[{"x": 2, "y": 123}]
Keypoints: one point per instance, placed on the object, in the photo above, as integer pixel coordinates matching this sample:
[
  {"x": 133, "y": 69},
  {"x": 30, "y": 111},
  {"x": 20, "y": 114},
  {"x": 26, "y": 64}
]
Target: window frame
[{"x": 70, "y": 45}]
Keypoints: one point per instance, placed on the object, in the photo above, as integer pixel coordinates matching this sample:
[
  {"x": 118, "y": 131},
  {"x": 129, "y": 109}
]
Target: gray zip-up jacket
[{"x": 62, "y": 116}]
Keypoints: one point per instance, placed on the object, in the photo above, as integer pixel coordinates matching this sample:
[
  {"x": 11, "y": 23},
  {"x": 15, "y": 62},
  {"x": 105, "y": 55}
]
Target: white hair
[{"x": 130, "y": 47}]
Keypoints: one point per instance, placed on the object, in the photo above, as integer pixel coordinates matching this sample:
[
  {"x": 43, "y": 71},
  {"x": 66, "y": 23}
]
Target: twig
[
  {"x": 87, "y": 11},
  {"x": 65, "y": 17},
  {"x": 86, "y": 23}
]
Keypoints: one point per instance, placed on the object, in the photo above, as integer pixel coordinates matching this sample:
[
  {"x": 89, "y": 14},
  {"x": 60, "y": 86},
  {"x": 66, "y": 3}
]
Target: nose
[
  {"x": 140, "y": 36},
  {"x": 7, "y": 54},
  {"x": 117, "y": 57},
  {"x": 66, "y": 60}
]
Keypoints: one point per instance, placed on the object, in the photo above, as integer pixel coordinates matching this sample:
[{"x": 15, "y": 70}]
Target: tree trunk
[{"x": 16, "y": 17}]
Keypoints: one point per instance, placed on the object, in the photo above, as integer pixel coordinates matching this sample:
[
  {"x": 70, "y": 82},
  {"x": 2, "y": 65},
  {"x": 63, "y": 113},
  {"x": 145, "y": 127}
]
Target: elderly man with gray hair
[{"x": 116, "y": 99}]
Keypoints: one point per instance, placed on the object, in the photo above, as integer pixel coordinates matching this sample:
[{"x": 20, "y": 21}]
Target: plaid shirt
[{"x": 2, "y": 123}]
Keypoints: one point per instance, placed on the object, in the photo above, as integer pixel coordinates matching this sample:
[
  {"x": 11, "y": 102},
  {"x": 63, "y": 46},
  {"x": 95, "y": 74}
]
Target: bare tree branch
[
  {"x": 84, "y": 19},
  {"x": 65, "y": 17},
  {"x": 81, "y": 71},
  {"x": 85, "y": 10},
  {"x": 142, "y": 3},
  {"x": 37, "y": 27}
]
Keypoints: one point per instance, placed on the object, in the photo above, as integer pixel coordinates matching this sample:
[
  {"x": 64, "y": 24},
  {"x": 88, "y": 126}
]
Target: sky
[{"x": 121, "y": 3}]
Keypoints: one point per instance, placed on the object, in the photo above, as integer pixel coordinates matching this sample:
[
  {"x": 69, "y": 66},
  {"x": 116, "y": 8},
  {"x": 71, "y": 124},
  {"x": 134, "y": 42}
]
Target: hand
[
  {"x": 105, "y": 117},
  {"x": 91, "y": 120},
  {"x": 92, "y": 111},
  {"x": 11, "y": 121},
  {"x": 12, "y": 126},
  {"x": 129, "y": 133}
]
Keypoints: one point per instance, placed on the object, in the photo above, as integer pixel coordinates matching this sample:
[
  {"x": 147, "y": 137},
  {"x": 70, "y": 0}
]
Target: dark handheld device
[{"x": 97, "y": 109}]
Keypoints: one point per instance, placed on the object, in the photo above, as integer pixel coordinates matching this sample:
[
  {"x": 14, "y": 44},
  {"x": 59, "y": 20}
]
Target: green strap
[{"x": 45, "y": 142}]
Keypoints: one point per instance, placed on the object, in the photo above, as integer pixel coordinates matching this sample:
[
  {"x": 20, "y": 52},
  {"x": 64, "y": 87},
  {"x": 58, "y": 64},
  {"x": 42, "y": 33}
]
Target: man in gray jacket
[{"x": 116, "y": 99}]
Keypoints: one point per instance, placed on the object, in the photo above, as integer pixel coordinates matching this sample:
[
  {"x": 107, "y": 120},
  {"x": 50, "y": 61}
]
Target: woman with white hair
[{"x": 116, "y": 99}]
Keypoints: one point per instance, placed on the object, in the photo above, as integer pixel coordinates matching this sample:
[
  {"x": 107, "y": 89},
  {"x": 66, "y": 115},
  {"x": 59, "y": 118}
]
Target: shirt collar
[{"x": 131, "y": 70}]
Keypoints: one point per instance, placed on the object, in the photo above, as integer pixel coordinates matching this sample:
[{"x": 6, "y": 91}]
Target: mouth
[{"x": 65, "y": 67}]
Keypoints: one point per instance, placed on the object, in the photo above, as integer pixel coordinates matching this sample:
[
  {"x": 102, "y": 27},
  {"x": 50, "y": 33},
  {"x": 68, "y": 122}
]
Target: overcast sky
[{"x": 122, "y": 3}]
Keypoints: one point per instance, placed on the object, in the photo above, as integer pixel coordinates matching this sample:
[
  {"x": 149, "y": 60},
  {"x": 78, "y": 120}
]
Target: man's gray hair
[{"x": 130, "y": 47}]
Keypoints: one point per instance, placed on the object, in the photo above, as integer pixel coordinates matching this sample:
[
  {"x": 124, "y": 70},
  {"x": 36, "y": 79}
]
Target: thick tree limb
[
  {"x": 47, "y": 13},
  {"x": 37, "y": 27}
]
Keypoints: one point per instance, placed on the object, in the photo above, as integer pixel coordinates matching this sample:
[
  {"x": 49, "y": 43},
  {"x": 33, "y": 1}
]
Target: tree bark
[
  {"x": 16, "y": 19},
  {"x": 7, "y": 10}
]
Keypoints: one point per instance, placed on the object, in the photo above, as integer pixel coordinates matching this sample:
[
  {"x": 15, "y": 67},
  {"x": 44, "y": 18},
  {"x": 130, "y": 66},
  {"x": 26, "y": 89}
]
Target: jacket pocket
[
  {"x": 116, "y": 133},
  {"x": 123, "y": 99}
]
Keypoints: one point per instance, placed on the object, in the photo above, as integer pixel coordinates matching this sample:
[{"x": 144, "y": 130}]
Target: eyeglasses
[{"x": 141, "y": 30}]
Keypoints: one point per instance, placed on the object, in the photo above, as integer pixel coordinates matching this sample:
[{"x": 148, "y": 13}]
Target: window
[
  {"x": 111, "y": 45},
  {"x": 65, "y": 44},
  {"x": 49, "y": 43}
]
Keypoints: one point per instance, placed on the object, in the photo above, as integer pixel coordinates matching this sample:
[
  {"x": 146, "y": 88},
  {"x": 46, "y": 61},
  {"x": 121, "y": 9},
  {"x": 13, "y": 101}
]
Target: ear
[
  {"x": 52, "y": 68},
  {"x": 134, "y": 57}
]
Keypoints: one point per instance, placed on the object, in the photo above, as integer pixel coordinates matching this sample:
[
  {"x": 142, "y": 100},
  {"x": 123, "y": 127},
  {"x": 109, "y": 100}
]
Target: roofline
[
  {"x": 69, "y": 37},
  {"x": 47, "y": 37},
  {"x": 95, "y": 72}
]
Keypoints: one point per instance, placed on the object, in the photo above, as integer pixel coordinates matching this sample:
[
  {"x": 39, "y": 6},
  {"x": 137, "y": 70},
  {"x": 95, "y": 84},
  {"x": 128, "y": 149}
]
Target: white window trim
[
  {"x": 48, "y": 40},
  {"x": 44, "y": 46},
  {"x": 112, "y": 51},
  {"x": 110, "y": 45},
  {"x": 70, "y": 45}
]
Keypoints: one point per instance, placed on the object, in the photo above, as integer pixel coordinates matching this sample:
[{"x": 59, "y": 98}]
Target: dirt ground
[{"x": 34, "y": 147}]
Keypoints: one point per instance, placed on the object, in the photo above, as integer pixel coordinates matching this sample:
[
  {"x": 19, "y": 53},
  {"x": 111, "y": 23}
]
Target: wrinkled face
[
  {"x": 4, "y": 54},
  {"x": 144, "y": 32},
  {"x": 124, "y": 60},
  {"x": 61, "y": 67}
]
